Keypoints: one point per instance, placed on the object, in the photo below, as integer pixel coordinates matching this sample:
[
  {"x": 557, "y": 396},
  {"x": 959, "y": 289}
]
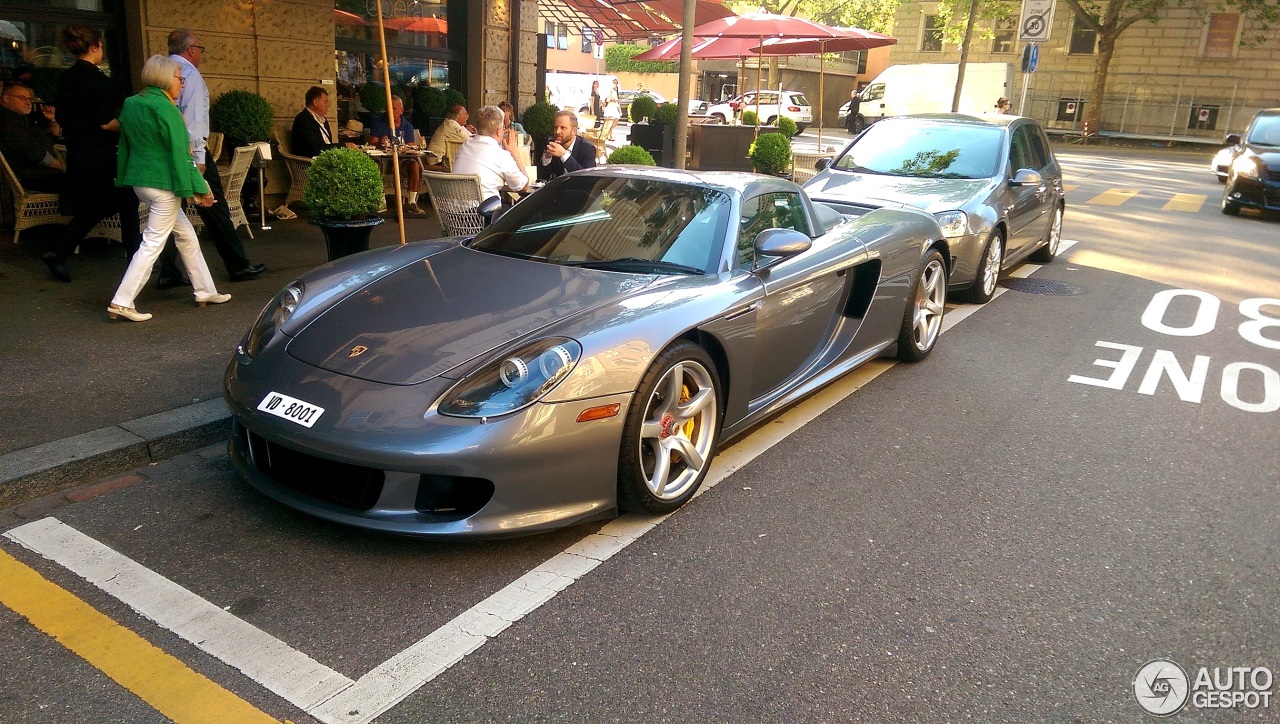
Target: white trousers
[{"x": 164, "y": 217}]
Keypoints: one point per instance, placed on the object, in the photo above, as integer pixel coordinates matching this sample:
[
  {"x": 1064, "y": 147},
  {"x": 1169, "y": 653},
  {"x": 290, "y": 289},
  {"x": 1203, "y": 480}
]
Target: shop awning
[{"x": 628, "y": 19}]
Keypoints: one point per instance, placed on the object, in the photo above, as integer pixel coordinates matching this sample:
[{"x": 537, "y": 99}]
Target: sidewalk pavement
[{"x": 87, "y": 397}]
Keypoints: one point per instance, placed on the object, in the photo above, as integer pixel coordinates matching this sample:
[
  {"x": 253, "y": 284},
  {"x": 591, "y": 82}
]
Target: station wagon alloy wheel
[
  {"x": 984, "y": 287},
  {"x": 671, "y": 432}
]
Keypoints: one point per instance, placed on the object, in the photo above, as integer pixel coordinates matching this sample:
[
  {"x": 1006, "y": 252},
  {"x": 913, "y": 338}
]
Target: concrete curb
[{"x": 43, "y": 469}]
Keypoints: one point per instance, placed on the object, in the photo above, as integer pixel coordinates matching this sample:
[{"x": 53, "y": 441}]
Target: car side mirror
[
  {"x": 822, "y": 164},
  {"x": 1026, "y": 177},
  {"x": 1232, "y": 139},
  {"x": 781, "y": 243}
]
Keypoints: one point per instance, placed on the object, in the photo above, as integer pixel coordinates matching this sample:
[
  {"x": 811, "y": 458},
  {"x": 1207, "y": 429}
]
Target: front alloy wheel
[
  {"x": 984, "y": 287},
  {"x": 922, "y": 320},
  {"x": 670, "y": 434}
]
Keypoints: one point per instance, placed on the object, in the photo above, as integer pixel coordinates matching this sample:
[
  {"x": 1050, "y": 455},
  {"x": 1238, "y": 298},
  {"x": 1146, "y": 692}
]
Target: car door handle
[{"x": 740, "y": 311}]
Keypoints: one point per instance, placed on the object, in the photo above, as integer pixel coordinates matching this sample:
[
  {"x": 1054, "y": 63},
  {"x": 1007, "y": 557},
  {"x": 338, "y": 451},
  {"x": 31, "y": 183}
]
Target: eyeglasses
[
  {"x": 23, "y": 98},
  {"x": 199, "y": 47},
  {"x": 180, "y": 79}
]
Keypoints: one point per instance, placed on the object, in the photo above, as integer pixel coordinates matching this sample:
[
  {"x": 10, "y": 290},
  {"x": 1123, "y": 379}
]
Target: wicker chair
[
  {"x": 456, "y": 198},
  {"x": 450, "y": 153},
  {"x": 298, "y": 166},
  {"x": 600, "y": 136},
  {"x": 213, "y": 144},
  {"x": 233, "y": 185},
  {"x": 38, "y": 208}
]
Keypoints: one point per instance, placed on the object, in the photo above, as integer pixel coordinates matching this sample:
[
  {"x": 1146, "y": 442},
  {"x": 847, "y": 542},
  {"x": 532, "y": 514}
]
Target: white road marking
[
  {"x": 333, "y": 698},
  {"x": 272, "y": 663}
]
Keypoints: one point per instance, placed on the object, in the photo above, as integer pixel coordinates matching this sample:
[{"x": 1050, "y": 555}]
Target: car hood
[
  {"x": 1269, "y": 156},
  {"x": 420, "y": 321},
  {"x": 926, "y": 194}
]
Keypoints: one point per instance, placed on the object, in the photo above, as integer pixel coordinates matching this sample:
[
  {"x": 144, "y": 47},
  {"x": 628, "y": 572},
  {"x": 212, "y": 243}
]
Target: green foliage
[
  {"x": 633, "y": 155},
  {"x": 643, "y": 106},
  {"x": 241, "y": 116},
  {"x": 771, "y": 153},
  {"x": 666, "y": 113},
  {"x": 454, "y": 97},
  {"x": 787, "y": 126},
  {"x": 748, "y": 118},
  {"x": 617, "y": 59},
  {"x": 927, "y": 163},
  {"x": 428, "y": 102},
  {"x": 538, "y": 120},
  {"x": 343, "y": 184}
]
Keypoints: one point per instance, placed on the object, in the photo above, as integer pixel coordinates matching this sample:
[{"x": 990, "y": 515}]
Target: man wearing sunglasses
[{"x": 193, "y": 101}]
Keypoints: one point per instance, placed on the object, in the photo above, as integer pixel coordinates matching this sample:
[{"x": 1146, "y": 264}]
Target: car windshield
[
  {"x": 1265, "y": 131},
  {"x": 926, "y": 150},
  {"x": 621, "y": 224}
]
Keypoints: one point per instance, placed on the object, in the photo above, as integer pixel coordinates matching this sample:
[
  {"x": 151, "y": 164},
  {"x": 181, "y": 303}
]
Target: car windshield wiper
[{"x": 629, "y": 263}]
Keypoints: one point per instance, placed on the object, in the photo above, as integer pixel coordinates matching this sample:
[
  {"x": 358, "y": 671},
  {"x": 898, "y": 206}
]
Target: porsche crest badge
[{"x": 357, "y": 350}]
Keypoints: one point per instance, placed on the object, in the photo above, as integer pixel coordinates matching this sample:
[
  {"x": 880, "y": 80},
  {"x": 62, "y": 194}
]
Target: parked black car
[{"x": 1252, "y": 165}]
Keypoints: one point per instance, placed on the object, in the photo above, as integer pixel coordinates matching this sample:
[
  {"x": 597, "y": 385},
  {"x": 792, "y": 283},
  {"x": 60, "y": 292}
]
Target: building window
[
  {"x": 931, "y": 34},
  {"x": 1084, "y": 40},
  {"x": 1220, "y": 35},
  {"x": 1003, "y": 35},
  {"x": 588, "y": 36}
]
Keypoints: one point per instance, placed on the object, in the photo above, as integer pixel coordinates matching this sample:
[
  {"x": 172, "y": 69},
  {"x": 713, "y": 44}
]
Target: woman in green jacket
[{"x": 155, "y": 159}]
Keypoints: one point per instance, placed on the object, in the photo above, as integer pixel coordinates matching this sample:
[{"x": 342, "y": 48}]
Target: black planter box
[
  {"x": 344, "y": 238},
  {"x": 656, "y": 138},
  {"x": 717, "y": 147}
]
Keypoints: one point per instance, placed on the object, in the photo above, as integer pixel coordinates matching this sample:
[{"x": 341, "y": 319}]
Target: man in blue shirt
[
  {"x": 193, "y": 101},
  {"x": 380, "y": 134}
]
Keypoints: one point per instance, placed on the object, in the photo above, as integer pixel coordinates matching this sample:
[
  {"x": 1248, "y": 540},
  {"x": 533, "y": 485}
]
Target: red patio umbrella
[
  {"x": 342, "y": 17},
  {"x": 849, "y": 39},
  {"x": 714, "y": 48},
  {"x": 419, "y": 25}
]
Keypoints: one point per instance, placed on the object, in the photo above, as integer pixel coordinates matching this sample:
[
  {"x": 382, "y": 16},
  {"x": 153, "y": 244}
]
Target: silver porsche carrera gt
[{"x": 585, "y": 354}]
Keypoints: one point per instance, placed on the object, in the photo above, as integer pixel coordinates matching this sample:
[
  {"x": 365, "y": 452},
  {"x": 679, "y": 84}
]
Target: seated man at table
[
  {"x": 381, "y": 135},
  {"x": 567, "y": 151},
  {"x": 452, "y": 130},
  {"x": 311, "y": 132},
  {"x": 26, "y": 146},
  {"x": 509, "y": 120},
  {"x": 491, "y": 155}
]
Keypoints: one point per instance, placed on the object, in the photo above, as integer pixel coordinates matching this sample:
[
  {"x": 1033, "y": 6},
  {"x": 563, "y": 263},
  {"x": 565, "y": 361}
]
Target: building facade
[
  {"x": 1192, "y": 75},
  {"x": 280, "y": 48}
]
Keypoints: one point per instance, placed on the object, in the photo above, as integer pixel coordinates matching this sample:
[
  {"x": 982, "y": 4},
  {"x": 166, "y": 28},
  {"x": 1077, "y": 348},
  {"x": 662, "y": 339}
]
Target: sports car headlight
[
  {"x": 1245, "y": 166},
  {"x": 279, "y": 309},
  {"x": 953, "y": 223},
  {"x": 515, "y": 380}
]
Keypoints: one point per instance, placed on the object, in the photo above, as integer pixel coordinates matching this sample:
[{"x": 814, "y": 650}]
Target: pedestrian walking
[{"x": 155, "y": 158}]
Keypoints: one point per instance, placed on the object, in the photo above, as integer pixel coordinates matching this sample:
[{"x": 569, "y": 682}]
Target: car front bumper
[
  {"x": 381, "y": 458},
  {"x": 1259, "y": 193}
]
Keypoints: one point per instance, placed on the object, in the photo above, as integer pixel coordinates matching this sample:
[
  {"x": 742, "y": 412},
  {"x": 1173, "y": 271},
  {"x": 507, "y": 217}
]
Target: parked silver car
[
  {"x": 587, "y": 353},
  {"x": 991, "y": 182}
]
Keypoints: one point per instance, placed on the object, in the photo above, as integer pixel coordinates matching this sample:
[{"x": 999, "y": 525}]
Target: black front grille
[
  {"x": 452, "y": 497},
  {"x": 1271, "y": 174},
  {"x": 352, "y": 486}
]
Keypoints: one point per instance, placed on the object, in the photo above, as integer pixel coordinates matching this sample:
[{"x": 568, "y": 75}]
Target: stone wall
[
  {"x": 490, "y": 49},
  {"x": 276, "y": 48}
]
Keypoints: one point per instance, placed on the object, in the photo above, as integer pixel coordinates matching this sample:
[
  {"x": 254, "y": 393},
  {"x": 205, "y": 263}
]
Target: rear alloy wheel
[
  {"x": 670, "y": 434},
  {"x": 922, "y": 320},
  {"x": 1053, "y": 238},
  {"x": 984, "y": 287}
]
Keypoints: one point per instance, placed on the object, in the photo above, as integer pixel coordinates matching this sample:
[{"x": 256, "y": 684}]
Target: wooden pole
[
  {"x": 391, "y": 121},
  {"x": 682, "y": 96},
  {"x": 822, "y": 73}
]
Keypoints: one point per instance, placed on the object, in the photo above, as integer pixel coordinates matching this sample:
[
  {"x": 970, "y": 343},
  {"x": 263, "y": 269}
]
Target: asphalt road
[{"x": 1070, "y": 486}]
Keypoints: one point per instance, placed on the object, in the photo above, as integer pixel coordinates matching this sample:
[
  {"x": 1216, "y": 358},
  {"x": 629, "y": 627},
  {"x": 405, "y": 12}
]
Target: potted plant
[
  {"x": 643, "y": 107},
  {"x": 665, "y": 114},
  {"x": 787, "y": 126},
  {"x": 771, "y": 154},
  {"x": 748, "y": 118},
  {"x": 429, "y": 106},
  {"x": 343, "y": 196},
  {"x": 658, "y": 135},
  {"x": 241, "y": 117},
  {"x": 632, "y": 155},
  {"x": 539, "y": 120}
]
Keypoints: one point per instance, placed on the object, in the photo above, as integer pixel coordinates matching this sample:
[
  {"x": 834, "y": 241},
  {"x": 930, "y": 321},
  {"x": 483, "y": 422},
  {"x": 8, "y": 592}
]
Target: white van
[{"x": 929, "y": 88}]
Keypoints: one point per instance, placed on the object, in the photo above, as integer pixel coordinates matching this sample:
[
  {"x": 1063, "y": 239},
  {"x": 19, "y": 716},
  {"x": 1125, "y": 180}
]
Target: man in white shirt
[{"x": 491, "y": 155}]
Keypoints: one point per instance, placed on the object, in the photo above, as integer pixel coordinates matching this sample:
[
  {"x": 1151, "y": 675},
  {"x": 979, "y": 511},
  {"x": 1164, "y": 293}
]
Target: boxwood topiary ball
[{"x": 342, "y": 184}]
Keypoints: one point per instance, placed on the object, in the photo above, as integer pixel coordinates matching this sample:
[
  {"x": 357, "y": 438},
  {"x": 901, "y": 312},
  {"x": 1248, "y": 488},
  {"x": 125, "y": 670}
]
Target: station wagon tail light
[
  {"x": 513, "y": 381},
  {"x": 794, "y": 109},
  {"x": 953, "y": 223}
]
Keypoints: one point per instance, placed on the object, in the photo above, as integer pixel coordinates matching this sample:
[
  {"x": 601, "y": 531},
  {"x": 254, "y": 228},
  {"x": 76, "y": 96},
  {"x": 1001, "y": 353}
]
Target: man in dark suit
[
  {"x": 311, "y": 132},
  {"x": 567, "y": 151}
]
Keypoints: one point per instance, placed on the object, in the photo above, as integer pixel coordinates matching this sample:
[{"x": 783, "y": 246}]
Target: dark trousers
[
  {"x": 219, "y": 229},
  {"x": 120, "y": 200}
]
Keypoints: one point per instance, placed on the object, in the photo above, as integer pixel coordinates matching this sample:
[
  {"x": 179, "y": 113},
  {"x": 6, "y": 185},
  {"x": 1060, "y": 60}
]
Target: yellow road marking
[
  {"x": 1068, "y": 188},
  {"x": 1185, "y": 202},
  {"x": 1113, "y": 197},
  {"x": 157, "y": 678}
]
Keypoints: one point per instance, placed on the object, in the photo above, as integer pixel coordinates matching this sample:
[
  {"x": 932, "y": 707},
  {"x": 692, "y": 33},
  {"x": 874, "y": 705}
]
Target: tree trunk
[
  {"x": 964, "y": 55},
  {"x": 1106, "y": 49}
]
